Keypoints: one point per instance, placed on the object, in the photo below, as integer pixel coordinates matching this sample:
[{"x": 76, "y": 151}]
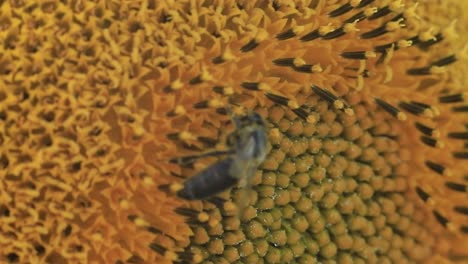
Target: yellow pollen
[
  {"x": 451, "y": 227},
  {"x": 411, "y": 12},
  {"x": 404, "y": 43},
  {"x": 338, "y": 104},
  {"x": 215, "y": 103},
  {"x": 396, "y": 5},
  {"x": 180, "y": 110},
  {"x": 323, "y": 30},
  {"x": 206, "y": 76},
  {"x": 451, "y": 32},
  {"x": 370, "y": 54},
  {"x": 427, "y": 36},
  {"x": 438, "y": 69},
  {"x": 176, "y": 85},
  {"x": 350, "y": 27},
  {"x": 293, "y": 104},
  {"x": 124, "y": 204},
  {"x": 401, "y": 116},
  {"x": 140, "y": 222},
  {"x": 261, "y": 35},
  {"x": 349, "y": 111},
  {"x": 97, "y": 236},
  {"x": 185, "y": 135},
  {"x": 354, "y": 3},
  {"x": 298, "y": 62},
  {"x": 360, "y": 83},
  {"x": 311, "y": 119},
  {"x": 317, "y": 68},
  {"x": 435, "y": 111},
  {"x": 298, "y": 29},
  {"x": 370, "y": 11},
  {"x": 428, "y": 113},
  {"x": 148, "y": 182},
  {"x": 264, "y": 87},
  {"x": 440, "y": 144},
  {"x": 170, "y": 255},
  {"x": 175, "y": 187},
  {"x": 394, "y": 25},
  {"x": 228, "y": 90},
  {"x": 227, "y": 55}
]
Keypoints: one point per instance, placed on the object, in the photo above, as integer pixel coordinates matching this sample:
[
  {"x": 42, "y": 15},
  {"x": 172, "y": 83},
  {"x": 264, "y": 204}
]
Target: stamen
[
  {"x": 412, "y": 108},
  {"x": 453, "y": 98},
  {"x": 252, "y": 44},
  {"x": 358, "y": 55},
  {"x": 380, "y": 13},
  {"x": 251, "y": 86},
  {"x": 307, "y": 68},
  {"x": 458, "y": 187},
  {"x": 458, "y": 135},
  {"x": 328, "y": 96},
  {"x": 278, "y": 99},
  {"x": 445, "y": 61},
  {"x": 440, "y": 169},
  {"x": 334, "y": 34},
  {"x": 226, "y": 56},
  {"x": 364, "y": 3},
  {"x": 223, "y": 90},
  {"x": 289, "y": 62},
  {"x": 460, "y": 155},
  {"x": 391, "y": 109},
  {"x": 341, "y": 10},
  {"x": 432, "y": 142},
  {"x": 290, "y": 33},
  {"x": 422, "y": 194},
  {"x": 461, "y": 209},
  {"x": 310, "y": 36},
  {"x": 441, "y": 219},
  {"x": 427, "y": 130},
  {"x": 174, "y": 86},
  {"x": 463, "y": 108}
]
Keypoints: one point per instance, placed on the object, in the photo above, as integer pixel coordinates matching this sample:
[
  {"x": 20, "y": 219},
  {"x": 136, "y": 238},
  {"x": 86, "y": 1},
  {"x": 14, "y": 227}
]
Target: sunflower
[{"x": 364, "y": 100}]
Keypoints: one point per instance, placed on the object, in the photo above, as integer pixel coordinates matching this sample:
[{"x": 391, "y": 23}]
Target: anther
[
  {"x": 453, "y": 98},
  {"x": 440, "y": 169},
  {"x": 428, "y": 131},
  {"x": 290, "y": 33},
  {"x": 341, "y": 10},
  {"x": 358, "y": 55},
  {"x": 174, "y": 86},
  {"x": 458, "y": 187},
  {"x": 432, "y": 142},
  {"x": 445, "y": 61},
  {"x": 458, "y": 135},
  {"x": 380, "y": 13},
  {"x": 461, "y": 209},
  {"x": 391, "y": 109},
  {"x": 415, "y": 109},
  {"x": 441, "y": 219},
  {"x": 460, "y": 155}
]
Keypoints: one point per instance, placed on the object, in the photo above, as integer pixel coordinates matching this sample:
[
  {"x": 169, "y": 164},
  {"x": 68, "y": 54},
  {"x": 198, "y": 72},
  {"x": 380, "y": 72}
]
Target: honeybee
[{"x": 247, "y": 149}]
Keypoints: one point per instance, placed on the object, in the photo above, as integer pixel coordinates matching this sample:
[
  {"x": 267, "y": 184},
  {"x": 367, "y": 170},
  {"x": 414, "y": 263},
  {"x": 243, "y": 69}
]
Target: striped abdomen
[{"x": 209, "y": 182}]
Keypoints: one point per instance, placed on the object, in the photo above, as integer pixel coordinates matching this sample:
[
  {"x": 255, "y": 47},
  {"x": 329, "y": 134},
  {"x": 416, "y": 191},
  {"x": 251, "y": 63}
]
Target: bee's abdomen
[{"x": 209, "y": 182}]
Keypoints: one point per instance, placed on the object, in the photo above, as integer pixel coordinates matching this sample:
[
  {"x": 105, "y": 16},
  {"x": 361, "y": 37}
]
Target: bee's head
[
  {"x": 252, "y": 118},
  {"x": 248, "y": 124}
]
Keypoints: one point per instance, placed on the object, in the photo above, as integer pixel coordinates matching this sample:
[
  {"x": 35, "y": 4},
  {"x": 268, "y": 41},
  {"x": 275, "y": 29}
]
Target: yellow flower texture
[{"x": 365, "y": 103}]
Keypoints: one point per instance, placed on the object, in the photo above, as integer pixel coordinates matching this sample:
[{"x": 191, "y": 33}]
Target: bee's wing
[{"x": 245, "y": 186}]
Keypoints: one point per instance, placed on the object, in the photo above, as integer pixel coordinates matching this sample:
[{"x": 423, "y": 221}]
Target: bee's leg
[{"x": 190, "y": 159}]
